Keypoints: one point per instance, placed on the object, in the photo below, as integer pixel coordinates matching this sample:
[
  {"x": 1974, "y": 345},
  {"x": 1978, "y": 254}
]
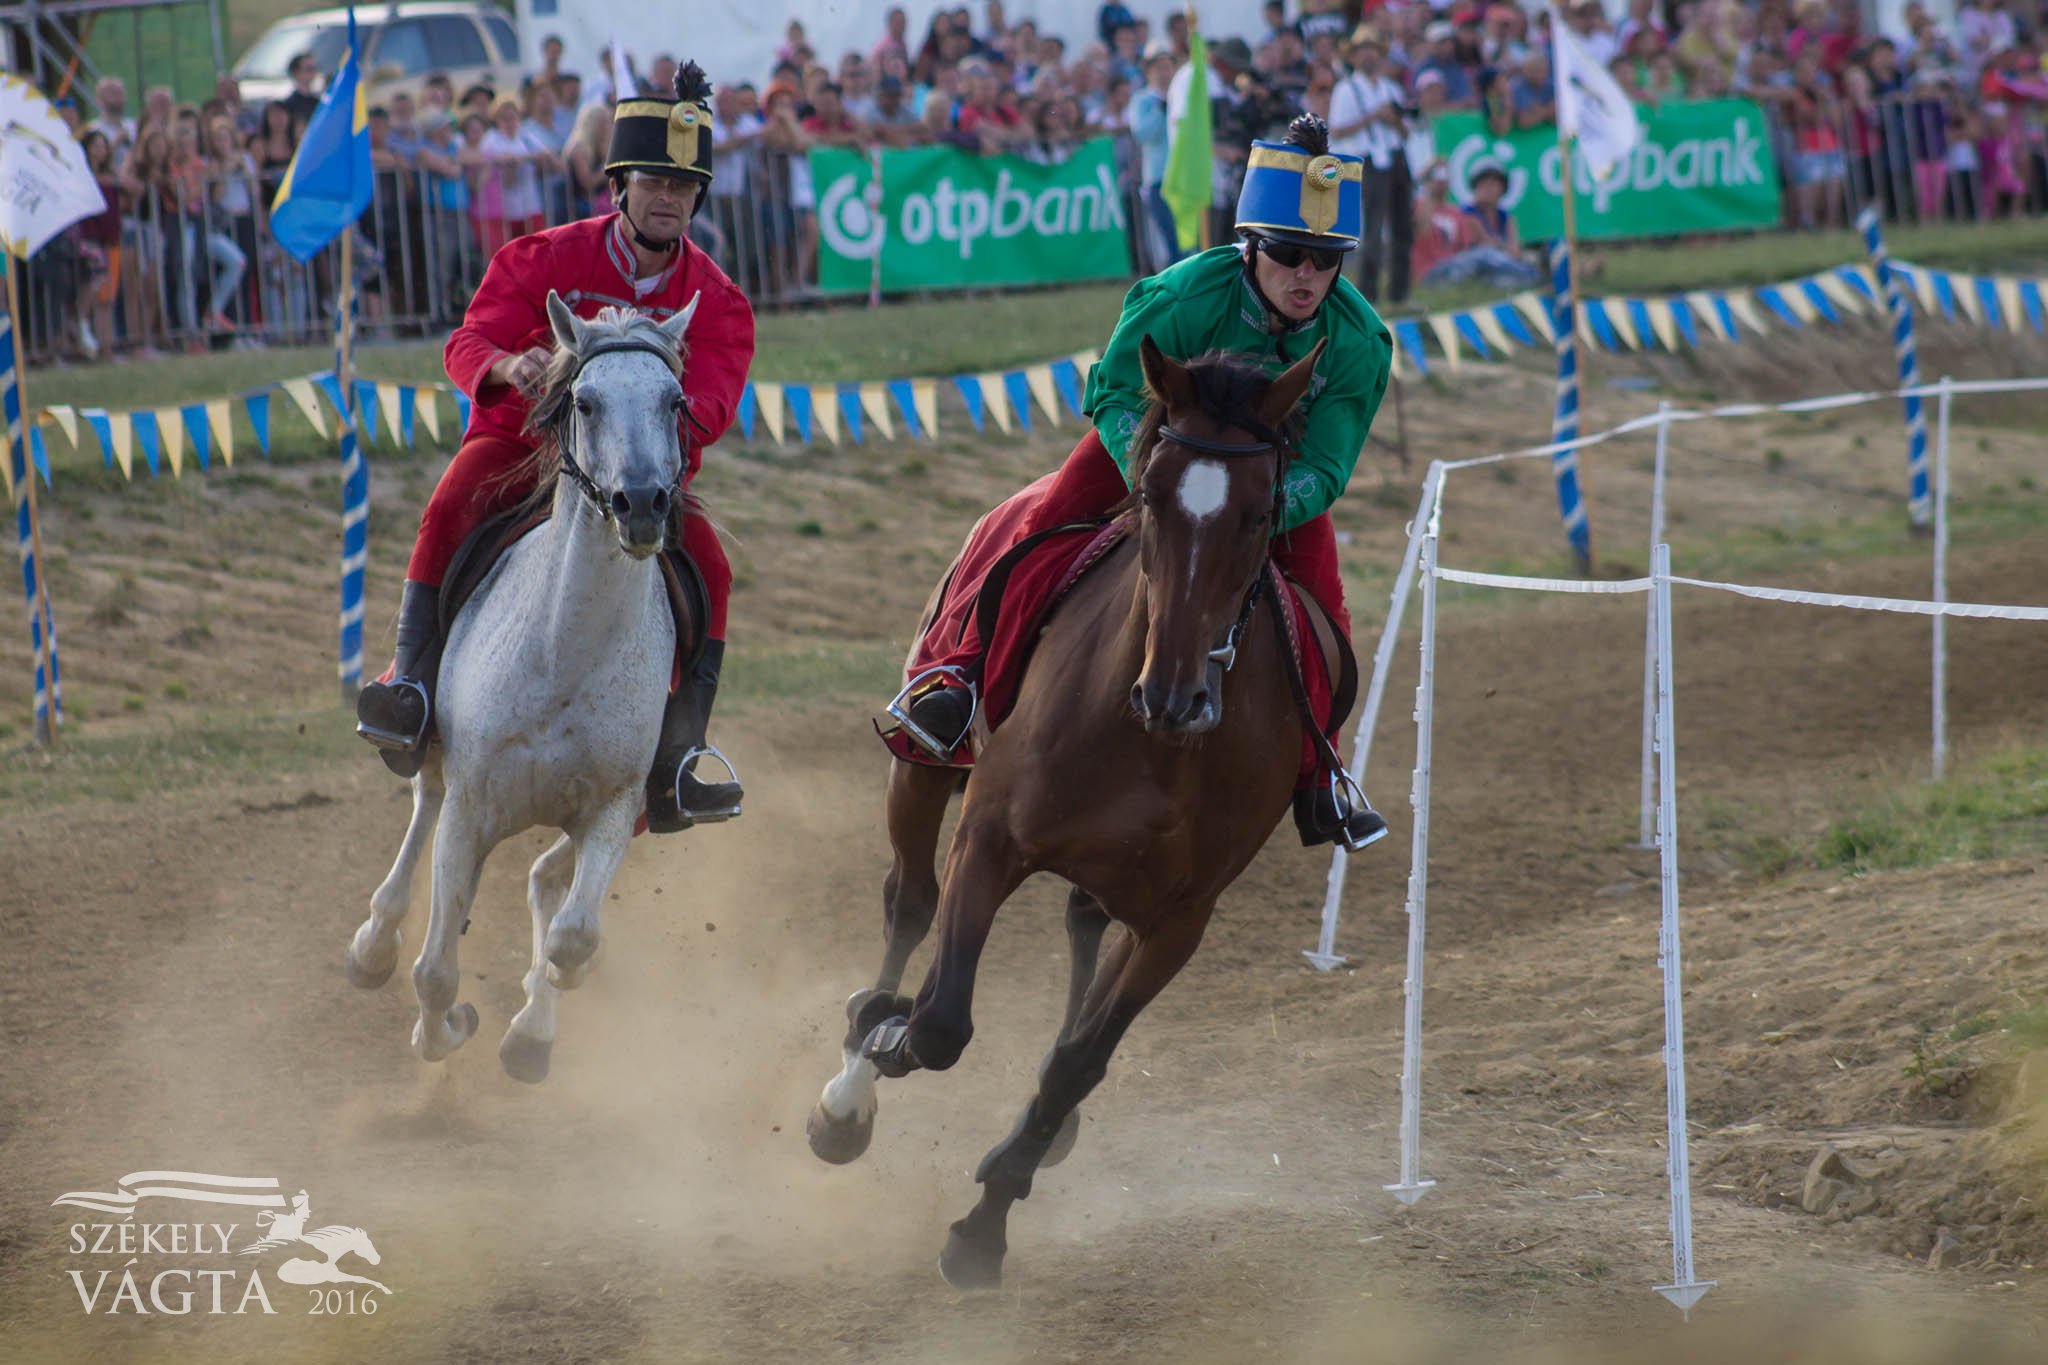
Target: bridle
[
  {"x": 1267, "y": 441},
  {"x": 577, "y": 474}
]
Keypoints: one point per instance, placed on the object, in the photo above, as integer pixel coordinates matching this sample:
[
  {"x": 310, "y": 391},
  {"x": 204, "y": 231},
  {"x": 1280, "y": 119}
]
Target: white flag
[
  {"x": 45, "y": 185},
  {"x": 1590, "y": 105}
]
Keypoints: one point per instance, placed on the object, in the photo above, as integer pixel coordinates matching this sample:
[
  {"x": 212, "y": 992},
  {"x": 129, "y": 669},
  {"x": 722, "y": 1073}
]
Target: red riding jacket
[{"x": 591, "y": 266}]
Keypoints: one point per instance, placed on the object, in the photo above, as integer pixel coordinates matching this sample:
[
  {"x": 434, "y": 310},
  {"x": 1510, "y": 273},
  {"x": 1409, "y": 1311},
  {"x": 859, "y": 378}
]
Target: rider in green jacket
[{"x": 1272, "y": 297}]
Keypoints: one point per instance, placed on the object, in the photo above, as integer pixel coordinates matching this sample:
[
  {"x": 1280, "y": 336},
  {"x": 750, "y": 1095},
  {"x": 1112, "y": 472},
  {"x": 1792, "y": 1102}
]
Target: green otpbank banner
[
  {"x": 948, "y": 219},
  {"x": 1702, "y": 166}
]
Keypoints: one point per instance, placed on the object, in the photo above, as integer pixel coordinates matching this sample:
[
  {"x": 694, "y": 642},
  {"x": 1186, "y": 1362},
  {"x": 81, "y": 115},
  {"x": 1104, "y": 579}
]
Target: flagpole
[
  {"x": 1567, "y": 147},
  {"x": 39, "y": 606},
  {"x": 355, "y": 481},
  {"x": 1205, "y": 233}
]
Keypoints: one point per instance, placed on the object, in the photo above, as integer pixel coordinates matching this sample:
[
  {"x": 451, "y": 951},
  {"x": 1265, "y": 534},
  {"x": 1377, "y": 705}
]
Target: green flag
[{"x": 1190, "y": 161}]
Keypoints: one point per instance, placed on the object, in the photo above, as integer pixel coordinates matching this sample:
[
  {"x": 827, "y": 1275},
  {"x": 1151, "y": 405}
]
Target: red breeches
[
  {"x": 480, "y": 482},
  {"x": 1089, "y": 484},
  {"x": 1086, "y": 486}
]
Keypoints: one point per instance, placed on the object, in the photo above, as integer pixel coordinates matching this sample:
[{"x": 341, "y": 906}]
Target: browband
[{"x": 1209, "y": 447}]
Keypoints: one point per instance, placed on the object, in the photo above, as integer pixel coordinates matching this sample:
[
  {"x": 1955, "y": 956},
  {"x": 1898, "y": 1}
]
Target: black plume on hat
[
  {"x": 1310, "y": 134},
  {"x": 692, "y": 84}
]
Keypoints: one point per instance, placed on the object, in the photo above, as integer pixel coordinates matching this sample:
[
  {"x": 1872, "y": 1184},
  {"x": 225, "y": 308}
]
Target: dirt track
[{"x": 178, "y": 1002}]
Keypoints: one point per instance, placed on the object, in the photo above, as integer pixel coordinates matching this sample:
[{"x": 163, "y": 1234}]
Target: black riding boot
[
  {"x": 941, "y": 716},
  {"x": 1322, "y": 815},
  {"x": 676, "y": 797},
  {"x": 397, "y": 716}
]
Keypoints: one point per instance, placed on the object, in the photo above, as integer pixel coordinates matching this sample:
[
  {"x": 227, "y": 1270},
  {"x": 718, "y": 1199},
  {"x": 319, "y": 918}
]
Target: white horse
[
  {"x": 551, "y": 688},
  {"x": 333, "y": 1242}
]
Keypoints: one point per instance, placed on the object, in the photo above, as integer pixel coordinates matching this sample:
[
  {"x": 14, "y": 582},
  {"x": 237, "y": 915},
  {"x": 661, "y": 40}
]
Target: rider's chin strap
[{"x": 1277, "y": 322}]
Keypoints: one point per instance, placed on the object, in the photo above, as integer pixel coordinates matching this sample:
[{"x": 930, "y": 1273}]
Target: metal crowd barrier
[
  {"x": 425, "y": 240},
  {"x": 421, "y": 250}
]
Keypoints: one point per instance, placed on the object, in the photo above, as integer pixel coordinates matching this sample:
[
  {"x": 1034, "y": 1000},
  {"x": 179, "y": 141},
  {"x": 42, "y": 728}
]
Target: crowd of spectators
[{"x": 1932, "y": 121}]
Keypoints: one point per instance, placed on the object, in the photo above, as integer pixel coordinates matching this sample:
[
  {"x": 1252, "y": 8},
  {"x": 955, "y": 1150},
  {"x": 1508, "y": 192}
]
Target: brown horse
[{"x": 1146, "y": 795}]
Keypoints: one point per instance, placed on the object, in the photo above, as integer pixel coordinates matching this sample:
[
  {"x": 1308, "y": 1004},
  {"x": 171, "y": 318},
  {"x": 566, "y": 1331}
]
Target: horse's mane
[
  {"x": 334, "y": 1234},
  {"x": 541, "y": 469},
  {"x": 1227, "y": 388}
]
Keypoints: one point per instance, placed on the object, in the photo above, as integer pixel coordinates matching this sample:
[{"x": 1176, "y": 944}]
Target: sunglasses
[{"x": 1290, "y": 255}]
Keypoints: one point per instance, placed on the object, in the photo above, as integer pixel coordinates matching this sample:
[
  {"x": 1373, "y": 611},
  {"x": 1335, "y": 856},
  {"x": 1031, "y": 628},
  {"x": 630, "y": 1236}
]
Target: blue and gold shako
[{"x": 1291, "y": 195}]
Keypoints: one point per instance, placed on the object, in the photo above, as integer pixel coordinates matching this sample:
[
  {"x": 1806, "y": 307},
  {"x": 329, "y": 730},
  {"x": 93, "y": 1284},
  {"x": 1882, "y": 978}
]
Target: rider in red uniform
[{"x": 638, "y": 257}]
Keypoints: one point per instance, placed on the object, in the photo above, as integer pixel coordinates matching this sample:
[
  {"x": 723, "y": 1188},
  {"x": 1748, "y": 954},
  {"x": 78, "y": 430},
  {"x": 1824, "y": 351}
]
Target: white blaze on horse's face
[
  {"x": 1204, "y": 488},
  {"x": 626, "y": 407}
]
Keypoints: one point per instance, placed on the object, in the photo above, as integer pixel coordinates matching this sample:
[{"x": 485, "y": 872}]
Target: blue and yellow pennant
[{"x": 327, "y": 186}]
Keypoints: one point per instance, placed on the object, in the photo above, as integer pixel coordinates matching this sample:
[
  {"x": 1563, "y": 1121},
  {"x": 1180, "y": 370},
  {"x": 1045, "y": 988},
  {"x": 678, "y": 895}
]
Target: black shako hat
[{"x": 665, "y": 136}]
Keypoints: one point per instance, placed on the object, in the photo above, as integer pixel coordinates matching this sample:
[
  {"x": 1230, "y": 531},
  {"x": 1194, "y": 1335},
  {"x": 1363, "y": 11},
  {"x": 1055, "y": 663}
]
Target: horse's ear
[
  {"x": 1167, "y": 380},
  {"x": 680, "y": 323},
  {"x": 568, "y": 328},
  {"x": 1287, "y": 390}
]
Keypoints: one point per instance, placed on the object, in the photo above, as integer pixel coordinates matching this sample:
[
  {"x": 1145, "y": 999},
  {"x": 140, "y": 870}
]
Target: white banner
[
  {"x": 45, "y": 185},
  {"x": 1591, "y": 106}
]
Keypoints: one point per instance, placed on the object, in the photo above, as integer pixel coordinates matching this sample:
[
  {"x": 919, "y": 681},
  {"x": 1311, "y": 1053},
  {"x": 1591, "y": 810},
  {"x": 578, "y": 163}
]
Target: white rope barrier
[
  {"x": 1729, "y": 411},
  {"x": 1683, "y": 1291},
  {"x": 1646, "y": 814},
  {"x": 1939, "y": 685},
  {"x": 1598, "y": 587},
  {"x": 1411, "y": 1185},
  {"x": 1429, "y": 514},
  {"x": 1974, "y": 610},
  {"x": 1325, "y": 955},
  {"x": 1661, "y": 824}
]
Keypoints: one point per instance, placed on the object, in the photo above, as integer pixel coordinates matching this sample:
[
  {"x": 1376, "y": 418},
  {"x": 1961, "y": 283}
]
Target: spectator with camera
[{"x": 1369, "y": 118}]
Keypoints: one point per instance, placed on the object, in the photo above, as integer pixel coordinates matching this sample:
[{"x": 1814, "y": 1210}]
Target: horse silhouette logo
[{"x": 332, "y": 1242}]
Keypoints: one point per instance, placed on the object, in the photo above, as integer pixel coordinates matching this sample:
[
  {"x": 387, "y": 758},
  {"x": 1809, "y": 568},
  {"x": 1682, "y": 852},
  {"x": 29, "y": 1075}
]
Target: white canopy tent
[{"x": 736, "y": 40}]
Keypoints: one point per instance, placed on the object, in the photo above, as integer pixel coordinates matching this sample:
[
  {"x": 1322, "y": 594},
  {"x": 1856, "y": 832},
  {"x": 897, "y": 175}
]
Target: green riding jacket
[{"x": 1204, "y": 304}]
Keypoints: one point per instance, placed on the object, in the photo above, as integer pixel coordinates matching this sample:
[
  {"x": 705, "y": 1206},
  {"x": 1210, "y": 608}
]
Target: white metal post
[
  {"x": 1940, "y": 683},
  {"x": 1683, "y": 1290},
  {"x": 1411, "y": 1186},
  {"x": 1646, "y": 831},
  {"x": 1325, "y": 955}
]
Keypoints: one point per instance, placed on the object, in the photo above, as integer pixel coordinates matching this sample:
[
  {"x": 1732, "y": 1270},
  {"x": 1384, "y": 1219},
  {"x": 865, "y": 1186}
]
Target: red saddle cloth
[{"x": 1035, "y": 586}]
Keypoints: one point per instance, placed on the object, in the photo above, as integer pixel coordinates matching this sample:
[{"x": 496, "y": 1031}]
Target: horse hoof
[
  {"x": 567, "y": 978},
  {"x": 871, "y": 1007},
  {"x": 838, "y": 1140},
  {"x": 571, "y": 951},
  {"x": 1062, "y": 1141},
  {"x": 525, "y": 1057},
  {"x": 368, "y": 977},
  {"x": 971, "y": 1264},
  {"x": 460, "y": 1023}
]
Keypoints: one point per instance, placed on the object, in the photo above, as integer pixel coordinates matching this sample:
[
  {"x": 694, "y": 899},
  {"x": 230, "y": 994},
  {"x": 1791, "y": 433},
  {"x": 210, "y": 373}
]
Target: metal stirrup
[
  {"x": 923, "y": 738},
  {"x": 710, "y": 817},
  {"x": 1343, "y": 787}
]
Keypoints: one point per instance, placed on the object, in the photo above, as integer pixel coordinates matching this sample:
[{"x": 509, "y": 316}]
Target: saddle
[
  {"x": 688, "y": 599},
  {"x": 1023, "y": 589}
]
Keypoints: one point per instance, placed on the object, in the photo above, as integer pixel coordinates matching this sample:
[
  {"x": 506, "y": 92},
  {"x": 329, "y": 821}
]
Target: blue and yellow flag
[{"x": 327, "y": 186}]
